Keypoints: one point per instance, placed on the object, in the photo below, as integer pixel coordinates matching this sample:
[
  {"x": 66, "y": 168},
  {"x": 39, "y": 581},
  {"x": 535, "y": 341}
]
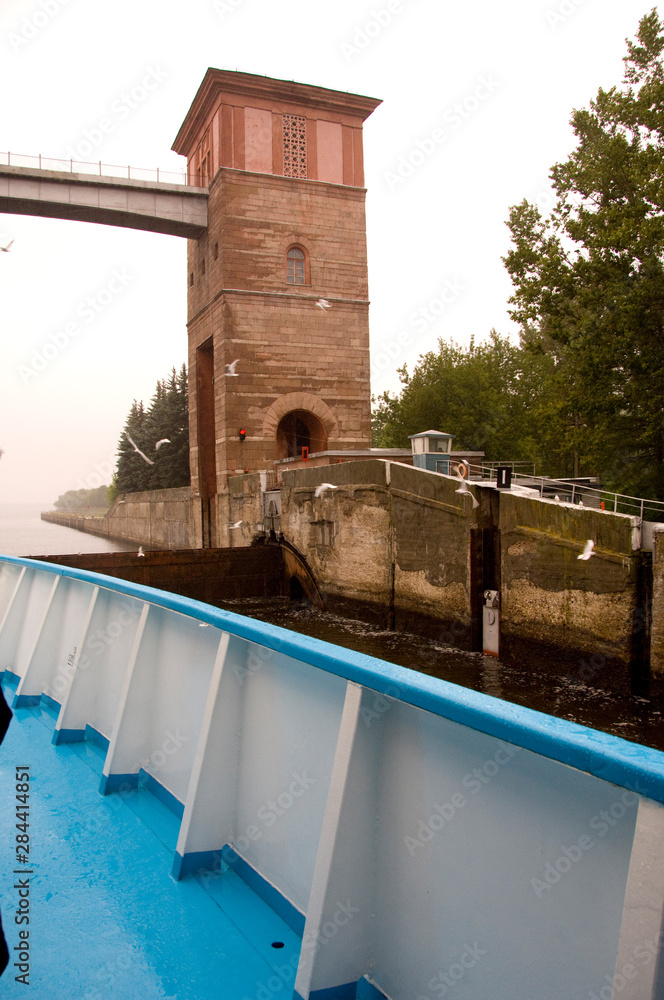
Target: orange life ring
[{"x": 462, "y": 469}]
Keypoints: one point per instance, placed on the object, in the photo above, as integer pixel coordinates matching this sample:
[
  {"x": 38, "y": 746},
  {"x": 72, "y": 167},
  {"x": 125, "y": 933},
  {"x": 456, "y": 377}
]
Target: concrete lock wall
[
  {"x": 551, "y": 597},
  {"x": 388, "y": 536},
  {"x": 431, "y": 529},
  {"x": 657, "y": 633},
  {"x": 406, "y": 542},
  {"x": 244, "y": 505},
  {"x": 344, "y": 534}
]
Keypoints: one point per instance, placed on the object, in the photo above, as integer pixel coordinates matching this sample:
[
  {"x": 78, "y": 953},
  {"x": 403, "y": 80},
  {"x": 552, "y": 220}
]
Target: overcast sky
[{"x": 477, "y": 98}]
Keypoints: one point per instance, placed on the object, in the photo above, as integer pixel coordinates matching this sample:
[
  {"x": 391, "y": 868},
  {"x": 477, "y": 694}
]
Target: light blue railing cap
[{"x": 639, "y": 768}]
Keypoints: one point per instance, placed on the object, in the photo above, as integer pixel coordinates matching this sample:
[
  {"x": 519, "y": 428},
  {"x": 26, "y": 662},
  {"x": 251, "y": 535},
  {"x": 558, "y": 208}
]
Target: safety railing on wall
[
  {"x": 573, "y": 491},
  {"x": 99, "y": 169},
  {"x": 413, "y": 832},
  {"x": 517, "y": 467}
]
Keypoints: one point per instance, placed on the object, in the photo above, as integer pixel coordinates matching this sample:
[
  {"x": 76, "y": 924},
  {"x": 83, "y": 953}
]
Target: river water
[
  {"x": 532, "y": 684},
  {"x": 535, "y": 684},
  {"x": 23, "y": 533}
]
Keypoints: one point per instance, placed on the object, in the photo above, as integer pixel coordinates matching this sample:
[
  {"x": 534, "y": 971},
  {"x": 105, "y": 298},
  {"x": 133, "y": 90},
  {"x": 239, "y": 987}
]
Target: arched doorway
[{"x": 300, "y": 429}]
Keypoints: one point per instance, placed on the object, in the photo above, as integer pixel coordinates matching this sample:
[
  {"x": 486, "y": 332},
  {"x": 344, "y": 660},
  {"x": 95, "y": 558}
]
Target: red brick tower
[{"x": 286, "y": 228}]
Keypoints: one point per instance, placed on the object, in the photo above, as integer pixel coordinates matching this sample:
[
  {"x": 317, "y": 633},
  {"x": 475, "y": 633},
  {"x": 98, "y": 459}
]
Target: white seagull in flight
[
  {"x": 230, "y": 369},
  {"x": 587, "y": 550},
  {"x": 321, "y": 489},
  {"x": 136, "y": 448},
  {"x": 162, "y": 441},
  {"x": 463, "y": 488},
  {"x": 324, "y": 304}
]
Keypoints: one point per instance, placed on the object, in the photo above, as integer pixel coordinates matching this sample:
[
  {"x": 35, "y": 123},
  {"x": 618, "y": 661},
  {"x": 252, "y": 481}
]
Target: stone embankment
[{"x": 161, "y": 519}]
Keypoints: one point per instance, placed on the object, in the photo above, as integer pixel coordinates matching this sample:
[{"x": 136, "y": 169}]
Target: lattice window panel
[
  {"x": 295, "y": 146},
  {"x": 205, "y": 159}
]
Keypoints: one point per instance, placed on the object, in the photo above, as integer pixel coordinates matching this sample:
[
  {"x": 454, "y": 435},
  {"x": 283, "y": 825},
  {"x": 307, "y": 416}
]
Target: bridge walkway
[{"x": 152, "y": 205}]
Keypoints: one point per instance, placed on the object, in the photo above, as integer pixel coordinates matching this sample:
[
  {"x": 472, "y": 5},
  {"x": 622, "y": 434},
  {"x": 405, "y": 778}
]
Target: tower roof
[
  {"x": 428, "y": 434},
  {"x": 266, "y": 92}
]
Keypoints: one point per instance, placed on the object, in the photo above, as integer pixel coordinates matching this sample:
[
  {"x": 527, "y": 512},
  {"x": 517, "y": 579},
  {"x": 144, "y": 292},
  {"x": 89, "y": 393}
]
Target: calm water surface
[{"x": 23, "y": 533}]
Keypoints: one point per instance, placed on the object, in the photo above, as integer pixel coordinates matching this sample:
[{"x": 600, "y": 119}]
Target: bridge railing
[
  {"x": 100, "y": 169},
  {"x": 416, "y": 834}
]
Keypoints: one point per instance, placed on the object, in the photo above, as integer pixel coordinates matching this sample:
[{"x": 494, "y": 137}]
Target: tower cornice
[{"x": 286, "y": 96}]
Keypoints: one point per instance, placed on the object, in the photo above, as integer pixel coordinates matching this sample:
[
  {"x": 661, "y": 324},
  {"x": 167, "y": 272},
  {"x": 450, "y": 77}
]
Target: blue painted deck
[
  {"x": 446, "y": 838},
  {"x": 107, "y": 920}
]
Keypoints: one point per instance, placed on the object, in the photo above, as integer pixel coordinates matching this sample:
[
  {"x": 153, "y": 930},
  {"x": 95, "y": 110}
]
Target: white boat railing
[{"x": 423, "y": 839}]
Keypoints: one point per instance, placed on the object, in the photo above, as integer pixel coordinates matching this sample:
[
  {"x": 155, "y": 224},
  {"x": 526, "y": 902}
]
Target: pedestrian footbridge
[
  {"x": 335, "y": 826},
  {"x": 154, "y": 201}
]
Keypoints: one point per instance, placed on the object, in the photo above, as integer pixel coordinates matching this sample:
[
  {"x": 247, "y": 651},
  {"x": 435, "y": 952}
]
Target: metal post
[
  {"x": 615, "y": 503},
  {"x": 158, "y": 169},
  {"x": 572, "y": 492},
  {"x": 40, "y": 161}
]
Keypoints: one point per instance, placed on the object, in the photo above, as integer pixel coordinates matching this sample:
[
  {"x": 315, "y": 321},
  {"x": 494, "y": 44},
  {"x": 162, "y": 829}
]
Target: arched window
[{"x": 297, "y": 266}]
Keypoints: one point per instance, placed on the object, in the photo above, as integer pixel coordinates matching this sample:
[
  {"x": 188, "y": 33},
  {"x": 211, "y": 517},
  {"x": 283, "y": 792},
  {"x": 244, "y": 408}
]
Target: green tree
[
  {"x": 168, "y": 420},
  {"x": 82, "y": 500},
  {"x": 589, "y": 280},
  {"x": 164, "y": 423},
  {"x": 132, "y": 469},
  {"x": 490, "y": 396}
]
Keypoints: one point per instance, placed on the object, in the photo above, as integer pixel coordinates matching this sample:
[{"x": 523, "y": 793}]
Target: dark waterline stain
[{"x": 529, "y": 684}]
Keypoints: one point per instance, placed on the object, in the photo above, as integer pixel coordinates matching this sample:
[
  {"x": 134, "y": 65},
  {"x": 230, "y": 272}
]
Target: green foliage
[
  {"x": 112, "y": 492},
  {"x": 589, "y": 280},
  {"x": 167, "y": 418},
  {"x": 83, "y": 500},
  {"x": 490, "y": 396}
]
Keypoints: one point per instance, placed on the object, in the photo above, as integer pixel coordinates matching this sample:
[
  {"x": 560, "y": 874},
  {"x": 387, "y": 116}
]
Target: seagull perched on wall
[
  {"x": 159, "y": 443},
  {"x": 321, "y": 489},
  {"x": 137, "y": 449},
  {"x": 324, "y": 304},
  {"x": 463, "y": 488},
  {"x": 587, "y": 550},
  {"x": 230, "y": 369},
  {"x": 140, "y": 551},
  {"x": 7, "y": 248}
]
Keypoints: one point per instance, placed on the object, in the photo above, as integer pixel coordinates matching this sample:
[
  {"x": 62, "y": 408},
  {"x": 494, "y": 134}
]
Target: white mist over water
[{"x": 23, "y": 533}]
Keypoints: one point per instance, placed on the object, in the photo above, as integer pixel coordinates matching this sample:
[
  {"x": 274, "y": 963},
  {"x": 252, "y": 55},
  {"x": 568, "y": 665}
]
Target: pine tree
[
  {"x": 132, "y": 470},
  {"x": 165, "y": 421},
  {"x": 168, "y": 421}
]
